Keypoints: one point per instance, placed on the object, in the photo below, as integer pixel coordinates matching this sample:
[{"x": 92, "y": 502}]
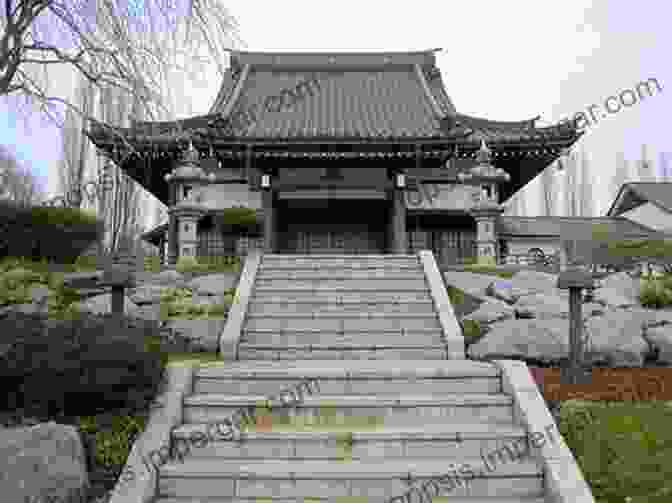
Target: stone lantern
[
  {"x": 486, "y": 210},
  {"x": 188, "y": 179}
]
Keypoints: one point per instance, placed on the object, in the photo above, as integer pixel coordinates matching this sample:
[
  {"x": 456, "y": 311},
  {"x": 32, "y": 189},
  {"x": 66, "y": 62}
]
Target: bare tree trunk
[
  {"x": 586, "y": 207},
  {"x": 548, "y": 190}
]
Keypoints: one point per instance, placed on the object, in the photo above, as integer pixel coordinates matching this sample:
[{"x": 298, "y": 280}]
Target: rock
[
  {"x": 214, "y": 284},
  {"x": 146, "y": 294},
  {"x": 653, "y": 317},
  {"x": 542, "y": 305},
  {"x": 491, "y": 311},
  {"x": 617, "y": 338},
  {"x": 101, "y": 304},
  {"x": 534, "y": 281},
  {"x": 46, "y": 462},
  {"x": 502, "y": 289},
  {"x": 613, "y": 298},
  {"x": 661, "y": 339},
  {"x": 623, "y": 283},
  {"x": 472, "y": 283},
  {"x": 82, "y": 279},
  {"x": 168, "y": 278},
  {"x": 202, "y": 335},
  {"x": 545, "y": 340}
]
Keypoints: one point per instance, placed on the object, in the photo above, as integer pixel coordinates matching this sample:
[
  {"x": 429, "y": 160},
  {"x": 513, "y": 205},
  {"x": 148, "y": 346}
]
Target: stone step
[
  {"x": 320, "y": 274},
  {"x": 335, "y": 267},
  {"x": 394, "y": 411},
  {"x": 368, "y": 499},
  {"x": 257, "y": 308},
  {"x": 454, "y": 369},
  {"x": 280, "y": 478},
  {"x": 342, "y": 323},
  {"x": 345, "y": 340},
  {"x": 417, "y": 283},
  {"x": 350, "y": 377},
  {"x": 314, "y": 352},
  {"x": 333, "y": 441},
  {"x": 278, "y": 296},
  {"x": 344, "y": 290}
]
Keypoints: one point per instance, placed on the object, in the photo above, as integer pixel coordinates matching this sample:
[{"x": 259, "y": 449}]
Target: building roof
[
  {"x": 365, "y": 105},
  {"x": 633, "y": 193},
  {"x": 356, "y": 95},
  {"x": 551, "y": 227}
]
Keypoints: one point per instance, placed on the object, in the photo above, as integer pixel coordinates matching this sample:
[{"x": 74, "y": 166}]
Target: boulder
[
  {"x": 617, "y": 339},
  {"x": 660, "y": 338},
  {"x": 46, "y": 462},
  {"x": 202, "y": 335},
  {"x": 613, "y": 298},
  {"x": 82, "y": 279},
  {"x": 534, "y": 281},
  {"x": 146, "y": 294},
  {"x": 102, "y": 304},
  {"x": 491, "y": 311},
  {"x": 213, "y": 284},
  {"x": 544, "y": 340},
  {"x": 168, "y": 277},
  {"x": 472, "y": 283},
  {"x": 542, "y": 305},
  {"x": 503, "y": 290},
  {"x": 623, "y": 283}
]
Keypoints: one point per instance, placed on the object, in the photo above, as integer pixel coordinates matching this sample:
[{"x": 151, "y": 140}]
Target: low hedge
[{"x": 77, "y": 366}]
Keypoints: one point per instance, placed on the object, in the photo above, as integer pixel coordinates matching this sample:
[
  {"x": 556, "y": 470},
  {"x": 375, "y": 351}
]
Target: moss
[
  {"x": 455, "y": 295},
  {"x": 472, "y": 328}
]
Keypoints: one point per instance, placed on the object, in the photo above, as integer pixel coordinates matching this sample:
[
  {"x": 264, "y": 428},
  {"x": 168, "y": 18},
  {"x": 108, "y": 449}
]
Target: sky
[{"x": 501, "y": 60}]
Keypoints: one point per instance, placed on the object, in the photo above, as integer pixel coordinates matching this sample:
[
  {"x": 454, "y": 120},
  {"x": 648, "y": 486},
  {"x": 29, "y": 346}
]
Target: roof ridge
[{"x": 428, "y": 93}]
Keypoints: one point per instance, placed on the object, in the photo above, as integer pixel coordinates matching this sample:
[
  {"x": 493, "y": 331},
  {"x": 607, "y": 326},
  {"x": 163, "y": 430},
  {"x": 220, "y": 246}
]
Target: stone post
[
  {"x": 486, "y": 215},
  {"x": 119, "y": 277},
  {"x": 187, "y": 214},
  {"x": 575, "y": 279}
]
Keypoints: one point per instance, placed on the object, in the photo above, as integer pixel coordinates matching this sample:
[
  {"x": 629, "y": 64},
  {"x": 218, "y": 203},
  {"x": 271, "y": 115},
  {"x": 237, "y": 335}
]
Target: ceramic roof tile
[
  {"x": 550, "y": 226},
  {"x": 656, "y": 192}
]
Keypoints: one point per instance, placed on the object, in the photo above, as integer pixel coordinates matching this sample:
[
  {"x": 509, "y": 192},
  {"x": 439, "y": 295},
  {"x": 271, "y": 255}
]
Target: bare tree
[
  {"x": 645, "y": 167},
  {"x": 664, "y": 173},
  {"x": 75, "y": 146},
  {"x": 18, "y": 184},
  {"x": 110, "y": 43},
  {"x": 570, "y": 187},
  {"x": 621, "y": 174},
  {"x": 585, "y": 188},
  {"x": 548, "y": 190}
]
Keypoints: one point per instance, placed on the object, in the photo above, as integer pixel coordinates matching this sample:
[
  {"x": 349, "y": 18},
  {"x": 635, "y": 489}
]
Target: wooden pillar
[
  {"x": 269, "y": 221},
  {"x": 399, "y": 237}
]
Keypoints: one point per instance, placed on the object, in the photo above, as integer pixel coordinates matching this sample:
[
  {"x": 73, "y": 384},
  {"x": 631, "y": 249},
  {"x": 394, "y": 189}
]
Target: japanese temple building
[{"x": 338, "y": 153}]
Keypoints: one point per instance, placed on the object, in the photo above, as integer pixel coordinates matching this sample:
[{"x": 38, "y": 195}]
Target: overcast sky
[{"x": 501, "y": 60}]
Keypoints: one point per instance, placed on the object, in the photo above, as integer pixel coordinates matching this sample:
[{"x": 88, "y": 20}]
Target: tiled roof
[
  {"x": 551, "y": 226},
  {"x": 357, "y": 96},
  {"x": 659, "y": 193}
]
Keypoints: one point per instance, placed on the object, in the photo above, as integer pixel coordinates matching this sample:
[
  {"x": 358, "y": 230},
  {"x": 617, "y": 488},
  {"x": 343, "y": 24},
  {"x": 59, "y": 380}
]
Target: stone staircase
[
  {"x": 366, "y": 307},
  {"x": 389, "y": 415}
]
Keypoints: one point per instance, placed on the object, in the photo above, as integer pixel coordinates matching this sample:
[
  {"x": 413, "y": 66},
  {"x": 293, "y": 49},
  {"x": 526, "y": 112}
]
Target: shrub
[
  {"x": 91, "y": 363},
  {"x": 187, "y": 264},
  {"x": 471, "y": 328},
  {"x": 455, "y": 295},
  {"x": 654, "y": 293}
]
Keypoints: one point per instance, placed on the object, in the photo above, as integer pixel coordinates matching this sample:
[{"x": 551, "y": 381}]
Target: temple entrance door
[{"x": 339, "y": 227}]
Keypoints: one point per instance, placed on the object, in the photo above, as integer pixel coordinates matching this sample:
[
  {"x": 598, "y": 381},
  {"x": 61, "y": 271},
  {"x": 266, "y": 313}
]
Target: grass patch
[
  {"x": 623, "y": 448},
  {"x": 488, "y": 269}
]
